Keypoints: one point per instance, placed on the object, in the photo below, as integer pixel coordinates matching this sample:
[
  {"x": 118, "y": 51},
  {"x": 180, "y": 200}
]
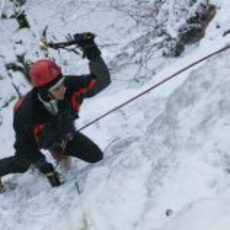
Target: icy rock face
[
  {"x": 165, "y": 29},
  {"x": 148, "y": 175},
  {"x": 209, "y": 213},
  {"x": 187, "y": 145},
  {"x": 192, "y": 31},
  {"x": 196, "y": 111}
]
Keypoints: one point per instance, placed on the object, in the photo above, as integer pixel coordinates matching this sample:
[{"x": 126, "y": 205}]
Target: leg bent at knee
[
  {"x": 84, "y": 148},
  {"x": 95, "y": 158}
]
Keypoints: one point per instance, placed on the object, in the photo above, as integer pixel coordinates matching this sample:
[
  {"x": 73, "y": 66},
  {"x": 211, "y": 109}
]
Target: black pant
[
  {"x": 83, "y": 148},
  {"x": 79, "y": 146}
]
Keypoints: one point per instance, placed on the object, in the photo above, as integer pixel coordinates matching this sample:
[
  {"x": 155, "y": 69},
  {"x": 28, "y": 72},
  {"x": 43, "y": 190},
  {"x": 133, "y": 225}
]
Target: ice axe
[
  {"x": 70, "y": 41},
  {"x": 58, "y": 45}
]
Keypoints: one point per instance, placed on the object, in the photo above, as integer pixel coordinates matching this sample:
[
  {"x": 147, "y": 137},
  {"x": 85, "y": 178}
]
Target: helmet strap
[
  {"x": 45, "y": 95},
  {"x": 48, "y": 101}
]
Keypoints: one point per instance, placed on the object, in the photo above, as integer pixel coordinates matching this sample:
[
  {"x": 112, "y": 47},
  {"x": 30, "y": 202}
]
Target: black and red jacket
[{"x": 30, "y": 115}]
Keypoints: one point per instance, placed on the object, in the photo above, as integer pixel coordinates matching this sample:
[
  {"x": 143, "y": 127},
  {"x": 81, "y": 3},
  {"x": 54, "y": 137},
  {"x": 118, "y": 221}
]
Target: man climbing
[{"x": 44, "y": 118}]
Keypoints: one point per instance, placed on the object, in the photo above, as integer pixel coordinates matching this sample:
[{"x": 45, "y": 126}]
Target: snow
[
  {"x": 168, "y": 150},
  {"x": 210, "y": 213}
]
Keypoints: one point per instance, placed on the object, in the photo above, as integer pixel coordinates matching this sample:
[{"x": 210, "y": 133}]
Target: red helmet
[{"x": 43, "y": 72}]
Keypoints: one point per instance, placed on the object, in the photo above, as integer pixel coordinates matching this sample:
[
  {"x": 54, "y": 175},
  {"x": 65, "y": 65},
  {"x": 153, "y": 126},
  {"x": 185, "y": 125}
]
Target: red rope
[{"x": 154, "y": 86}]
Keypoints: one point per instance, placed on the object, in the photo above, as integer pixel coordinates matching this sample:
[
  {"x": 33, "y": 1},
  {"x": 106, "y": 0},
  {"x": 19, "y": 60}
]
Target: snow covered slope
[
  {"x": 211, "y": 213},
  {"x": 166, "y": 155}
]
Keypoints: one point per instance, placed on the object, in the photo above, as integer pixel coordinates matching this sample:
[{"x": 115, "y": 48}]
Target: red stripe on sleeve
[
  {"x": 18, "y": 104},
  {"x": 79, "y": 92}
]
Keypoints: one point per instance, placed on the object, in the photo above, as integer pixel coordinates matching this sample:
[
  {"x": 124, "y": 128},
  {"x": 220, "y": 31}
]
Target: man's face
[{"x": 58, "y": 90}]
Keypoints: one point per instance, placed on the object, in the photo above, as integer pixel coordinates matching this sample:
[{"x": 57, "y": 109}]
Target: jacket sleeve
[
  {"x": 26, "y": 147},
  {"x": 91, "y": 84},
  {"x": 100, "y": 71}
]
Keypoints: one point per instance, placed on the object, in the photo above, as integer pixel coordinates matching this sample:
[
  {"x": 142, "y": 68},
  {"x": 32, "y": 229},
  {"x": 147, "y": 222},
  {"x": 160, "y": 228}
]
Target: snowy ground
[{"x": 167, "y": 152}]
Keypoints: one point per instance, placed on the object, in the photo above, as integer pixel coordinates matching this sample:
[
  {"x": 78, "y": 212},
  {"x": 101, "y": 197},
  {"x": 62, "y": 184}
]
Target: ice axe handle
[{"x": 59, "y": 45}]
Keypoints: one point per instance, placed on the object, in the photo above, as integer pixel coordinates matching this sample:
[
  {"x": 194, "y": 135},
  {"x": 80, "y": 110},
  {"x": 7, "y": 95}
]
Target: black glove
[
  {"x": 44, "y": 166},
  {"x": 55, "y": 179},
  {"x": 86, "y": 42}
]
